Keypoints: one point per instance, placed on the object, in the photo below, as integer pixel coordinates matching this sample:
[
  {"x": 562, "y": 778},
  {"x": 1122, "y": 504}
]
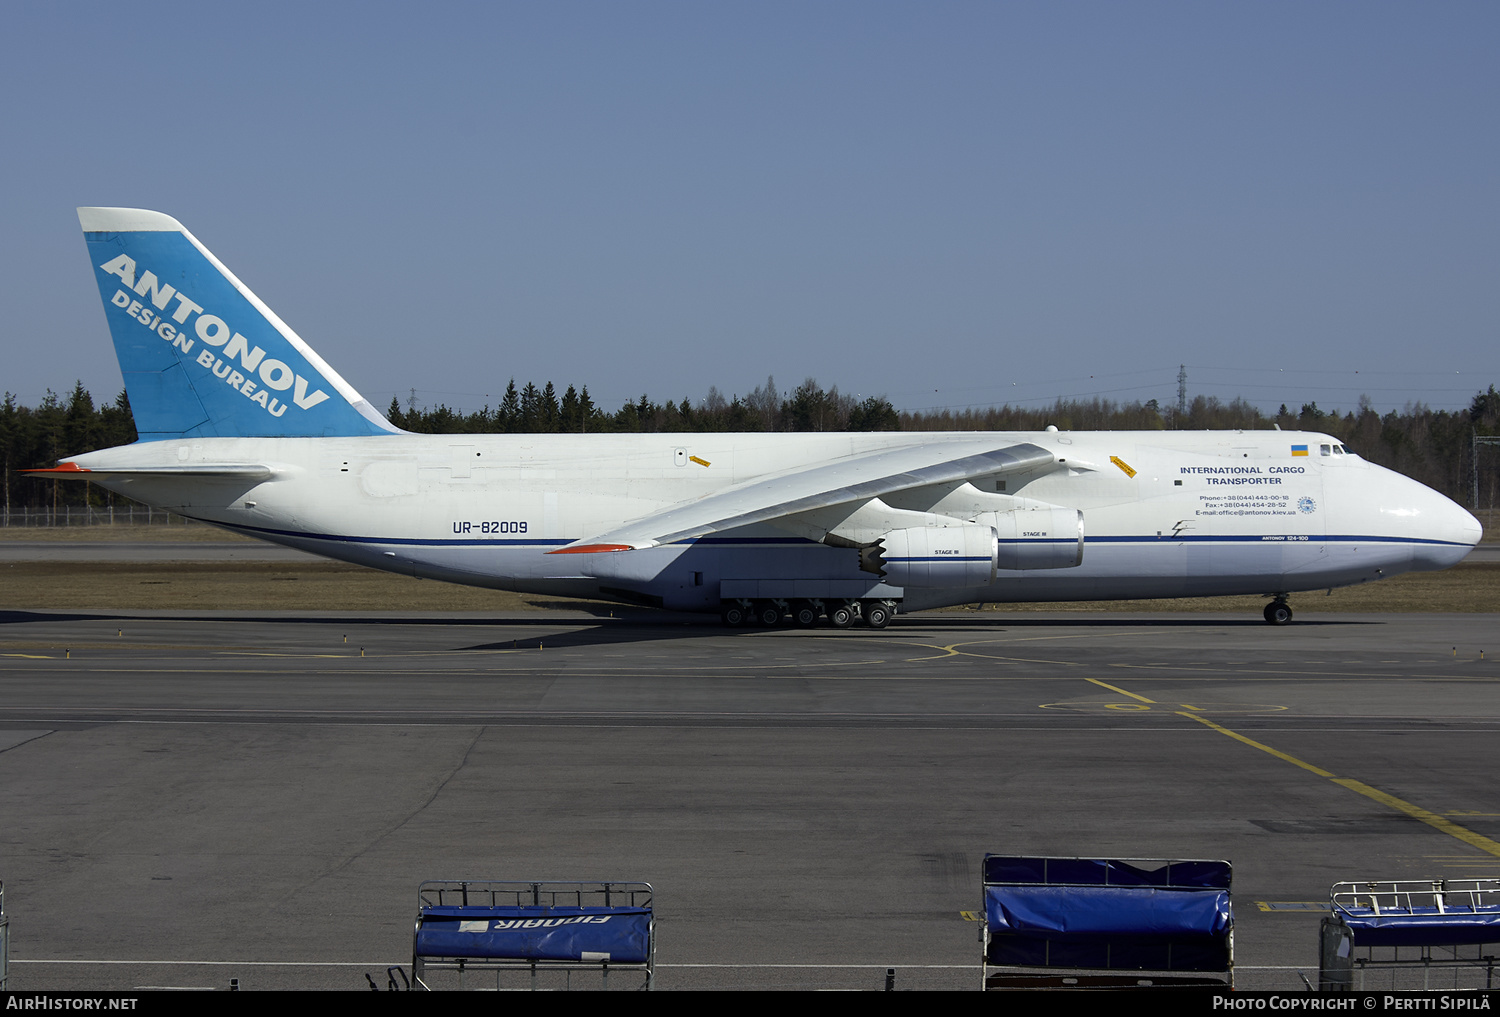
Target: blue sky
[{"x": 949, "y": 204}]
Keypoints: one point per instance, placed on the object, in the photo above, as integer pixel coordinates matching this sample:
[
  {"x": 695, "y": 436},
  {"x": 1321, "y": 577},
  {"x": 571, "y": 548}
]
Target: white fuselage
[{"x": 1165, "y": 514}]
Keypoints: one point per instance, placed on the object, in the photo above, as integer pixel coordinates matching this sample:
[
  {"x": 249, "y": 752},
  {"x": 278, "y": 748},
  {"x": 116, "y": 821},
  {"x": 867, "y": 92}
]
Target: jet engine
[
  {"x": 1044, "y": 537},
  {"x": 946, "y": 556},
  {"x": 970, "y": 554}
]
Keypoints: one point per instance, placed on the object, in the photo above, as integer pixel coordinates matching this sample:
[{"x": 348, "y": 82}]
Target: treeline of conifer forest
[{"x": 1436, "y": 447}]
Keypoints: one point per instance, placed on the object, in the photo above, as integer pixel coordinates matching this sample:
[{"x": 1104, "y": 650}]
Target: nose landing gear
[{"x": 1278, "y": 611}]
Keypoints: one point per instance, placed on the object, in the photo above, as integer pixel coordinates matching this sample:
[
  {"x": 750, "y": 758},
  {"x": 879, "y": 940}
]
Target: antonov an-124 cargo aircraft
[{"x": 244, "y": 426}]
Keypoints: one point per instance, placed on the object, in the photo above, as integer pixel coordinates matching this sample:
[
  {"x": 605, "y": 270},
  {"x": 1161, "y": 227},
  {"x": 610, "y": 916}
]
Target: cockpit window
[
  {"x": 1338, "y": 450},
  {"x": 1325, "y": 450}
]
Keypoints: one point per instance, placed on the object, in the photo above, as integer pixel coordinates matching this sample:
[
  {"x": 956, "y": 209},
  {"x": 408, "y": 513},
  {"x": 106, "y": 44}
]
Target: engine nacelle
[
  {"x": 1044, "y": 537},
  {"x": 970, "y": 554},
  {"x": 945, "y": 556}
]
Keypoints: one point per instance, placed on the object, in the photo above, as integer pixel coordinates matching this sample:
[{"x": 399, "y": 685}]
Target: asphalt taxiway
[{"x": 190, "y": 797}]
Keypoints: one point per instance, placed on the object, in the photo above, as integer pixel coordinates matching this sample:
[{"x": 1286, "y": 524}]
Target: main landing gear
[
  {"x": 806, "y": 614},
  {"x": 1278, "y": 611}
]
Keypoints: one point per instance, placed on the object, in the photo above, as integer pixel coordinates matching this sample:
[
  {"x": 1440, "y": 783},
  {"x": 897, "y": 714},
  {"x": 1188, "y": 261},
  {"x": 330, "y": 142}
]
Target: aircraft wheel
[
  {"x": 768, "y": 614},
  {"x": 841, "y": 616},
  {"x": 804, "y": 614},
  {"x": 877, "y": 614},
  {"x": 733, "y": 615},
  {"x": 1278, "y": 612}
]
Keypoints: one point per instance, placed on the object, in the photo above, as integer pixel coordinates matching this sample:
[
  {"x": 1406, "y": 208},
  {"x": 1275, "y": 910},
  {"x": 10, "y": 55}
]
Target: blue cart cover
[
  {"x": 1423, "y": 926},
  {"x": 1107, "y": 913},
  {"x": 1087, "y": 912},
  {"x": 619, "y": 935}
]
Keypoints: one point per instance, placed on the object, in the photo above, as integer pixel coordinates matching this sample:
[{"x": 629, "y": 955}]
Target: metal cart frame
[
  {"x": 1108, "y": 923},
  {"x": 532, "y": 926},
  {"x": 1409, "y": 927}
]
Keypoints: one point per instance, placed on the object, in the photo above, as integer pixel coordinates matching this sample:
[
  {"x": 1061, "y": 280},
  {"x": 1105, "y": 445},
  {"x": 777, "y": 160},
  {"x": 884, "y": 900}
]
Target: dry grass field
[{"x": 176, "y": 532}]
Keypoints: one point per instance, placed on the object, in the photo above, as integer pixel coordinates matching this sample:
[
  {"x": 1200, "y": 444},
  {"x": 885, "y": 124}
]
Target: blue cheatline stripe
[
  {"x": 1292, "y": 538},
  {"x": 417, "y": 541},
  {"x": 1276, "y": 538},
  {"x": 938, "y": 558}
]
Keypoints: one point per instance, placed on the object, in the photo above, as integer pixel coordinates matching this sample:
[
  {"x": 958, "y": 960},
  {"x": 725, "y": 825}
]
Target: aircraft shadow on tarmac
[
  {"x": 625, "y": 631},
  {"x": 632, "y": 625}
]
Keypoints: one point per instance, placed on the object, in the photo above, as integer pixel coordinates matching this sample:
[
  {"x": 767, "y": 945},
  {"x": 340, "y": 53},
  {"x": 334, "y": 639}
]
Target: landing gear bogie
[{"x": 841, "y": 614}]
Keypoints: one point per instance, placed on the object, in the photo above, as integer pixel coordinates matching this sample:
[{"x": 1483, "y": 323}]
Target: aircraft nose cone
[
  {"x": 1470, "y": 531},
  {"x": 1449, "y": 532}
]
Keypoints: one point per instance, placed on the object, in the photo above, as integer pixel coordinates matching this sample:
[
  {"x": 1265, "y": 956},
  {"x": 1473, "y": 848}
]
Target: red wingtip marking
[
  {"x": 591, "y": 548},
  {"x": 59, "y": 468}
]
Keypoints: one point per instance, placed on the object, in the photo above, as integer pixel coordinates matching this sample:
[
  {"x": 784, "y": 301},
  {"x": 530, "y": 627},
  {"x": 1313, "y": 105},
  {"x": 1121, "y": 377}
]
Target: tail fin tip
[{"x": 126, "y": 220}]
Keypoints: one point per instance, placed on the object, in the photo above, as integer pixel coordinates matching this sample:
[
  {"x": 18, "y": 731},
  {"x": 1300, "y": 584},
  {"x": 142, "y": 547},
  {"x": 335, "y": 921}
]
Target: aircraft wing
[{"x": 859, "y": 478}]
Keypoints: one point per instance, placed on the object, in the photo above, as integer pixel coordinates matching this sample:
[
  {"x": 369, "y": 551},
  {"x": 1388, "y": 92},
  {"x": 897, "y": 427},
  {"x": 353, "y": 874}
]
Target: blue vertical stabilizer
[{"x": 202, "y": 355}]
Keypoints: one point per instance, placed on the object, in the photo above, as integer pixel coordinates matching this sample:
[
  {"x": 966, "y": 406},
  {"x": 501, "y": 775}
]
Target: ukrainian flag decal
[{"x": 1299, "y": 450}]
